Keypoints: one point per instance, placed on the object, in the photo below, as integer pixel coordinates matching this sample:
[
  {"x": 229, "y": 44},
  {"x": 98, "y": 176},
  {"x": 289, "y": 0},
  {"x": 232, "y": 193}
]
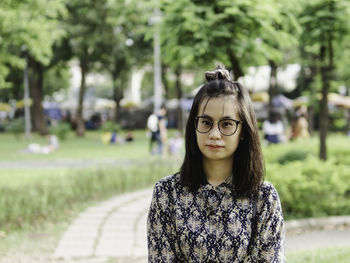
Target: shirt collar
[{"x": 225, "y": 187}]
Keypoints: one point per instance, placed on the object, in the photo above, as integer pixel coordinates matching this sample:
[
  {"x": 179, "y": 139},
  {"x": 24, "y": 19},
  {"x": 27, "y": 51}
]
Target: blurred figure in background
[
  {"x": 129, "y": 137},
  {"x": 273, "y": 129},
  {"x": 300, "y": 125},
  {"x": 53, "y": 145},
  {"x": 175, "y": 144},
  {"x": 157, "y": 131}
]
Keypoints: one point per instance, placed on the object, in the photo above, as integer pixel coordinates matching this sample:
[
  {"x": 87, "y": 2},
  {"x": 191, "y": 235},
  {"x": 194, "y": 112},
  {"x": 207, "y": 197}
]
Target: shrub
[
  {"x": 311, "y": 188},
  {"x": 61, "y": 130},
  {"x": 110, "y": 126},
  {"x": 293, "y": 155},
  {"x": 16, "y": 126}
]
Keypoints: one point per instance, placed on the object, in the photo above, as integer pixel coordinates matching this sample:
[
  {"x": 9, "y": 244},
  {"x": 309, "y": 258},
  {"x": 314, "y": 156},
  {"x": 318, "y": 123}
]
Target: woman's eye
[
  {"x": 227, "y": 124},
  {"x": 207, "y": 123}
]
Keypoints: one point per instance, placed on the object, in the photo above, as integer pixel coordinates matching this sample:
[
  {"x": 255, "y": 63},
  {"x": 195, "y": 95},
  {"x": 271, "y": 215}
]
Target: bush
[
  {"x": 16, "y": 126},
  {"x": 61, "y": 130},
  {"x": 307, "y": 186},
  {"x": 311, "y": 188},
  {"x": 293, "y": 155},
  {"x": 110, "y": 126}
]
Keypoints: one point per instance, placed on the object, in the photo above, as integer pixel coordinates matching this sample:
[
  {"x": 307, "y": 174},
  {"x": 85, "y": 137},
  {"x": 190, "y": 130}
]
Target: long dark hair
[{"x": 248, "y": 165}]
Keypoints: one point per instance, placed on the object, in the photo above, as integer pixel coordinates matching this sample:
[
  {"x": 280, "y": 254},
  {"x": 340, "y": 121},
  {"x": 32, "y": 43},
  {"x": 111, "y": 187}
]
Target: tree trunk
[
  {"x": 310, "y": 119},
  {"x": 36, "y": 93},
  {"x": 80, "y": 130},
  {"x": 165, "y": 80},
  {"x": 178, "y": 88},
  {"x": 273, "y": 83},
  {"x": 323, "y": 115},
  {"x": 235, "y": 65},
  {"x": 326, "y": 75},
  {"x": 117, "y": 89},
  {"x": 117, "y": 96}
]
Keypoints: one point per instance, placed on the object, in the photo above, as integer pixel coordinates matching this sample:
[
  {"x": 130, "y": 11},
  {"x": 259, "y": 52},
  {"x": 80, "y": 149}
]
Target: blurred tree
[
  {"x": 324, "y": 23},
  {"x": 57, "y": 78},
  {"x": 56, "y": 73},
  {"x": 28, "y": 30},
  {"x": 239, "y": 34},
  {"x": 125, "y": 44},
  {"x": 87, "y": 28},
  {"x": 245, "y": 33},
  {"x": 278, "y": 37}
]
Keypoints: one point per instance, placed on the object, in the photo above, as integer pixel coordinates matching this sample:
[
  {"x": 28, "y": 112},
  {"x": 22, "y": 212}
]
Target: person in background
[
  {"x": 273, "y": 129},
  {"x": 129, "y": 137},
  {"x": 156, "y": 124},
  {"x": 114, "y": 137},
  {"x": 175, "y": 144},
  {"x": 218, "y": 208},
  {"x": 52, "y": 146},
  {"x": 300, "y": 125}
]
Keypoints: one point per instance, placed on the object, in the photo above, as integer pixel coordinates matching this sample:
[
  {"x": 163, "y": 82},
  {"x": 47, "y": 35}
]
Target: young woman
[{"x": 218, "y": 207}]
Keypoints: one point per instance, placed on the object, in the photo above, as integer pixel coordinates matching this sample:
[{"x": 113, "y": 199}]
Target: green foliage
[
  {"x": 30, "y": 204},
  {"x": 61, "y": 130},
  {"x": 291, "y": 156},
  {"x": 110, "y": 126},
  {"x": 56, "y": 79},
  {"x": 307, "y": 186},
  {"x": 239, "y": 35},
  {"x": 16, "y": 126},
  {"x": 28, "y": 26}
]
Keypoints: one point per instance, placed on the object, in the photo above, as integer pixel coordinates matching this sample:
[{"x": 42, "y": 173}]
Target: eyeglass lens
[{"x": 226, "y": 126}]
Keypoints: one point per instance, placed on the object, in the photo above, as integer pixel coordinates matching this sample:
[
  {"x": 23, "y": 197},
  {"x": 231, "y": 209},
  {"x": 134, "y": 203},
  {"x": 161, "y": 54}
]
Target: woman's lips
[{"x": 214, "y": 147}]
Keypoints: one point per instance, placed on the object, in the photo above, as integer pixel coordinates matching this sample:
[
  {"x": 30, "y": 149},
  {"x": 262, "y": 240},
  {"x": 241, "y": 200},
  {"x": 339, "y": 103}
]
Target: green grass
[
  {"x": 17, "y": 177},
  {"x": 89, "y": 147},
  {"x": 324, "y": 255},
  {"x": 32, "y": 203},
  {"x": 42, "y": 201}
]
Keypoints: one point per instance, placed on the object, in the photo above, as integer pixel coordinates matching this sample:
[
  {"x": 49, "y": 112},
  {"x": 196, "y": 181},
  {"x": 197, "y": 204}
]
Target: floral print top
[{"x": 211, "y": 225}]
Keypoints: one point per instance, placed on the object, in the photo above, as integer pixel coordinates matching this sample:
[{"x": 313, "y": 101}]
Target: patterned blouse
[{"x": 211, "y": 225}]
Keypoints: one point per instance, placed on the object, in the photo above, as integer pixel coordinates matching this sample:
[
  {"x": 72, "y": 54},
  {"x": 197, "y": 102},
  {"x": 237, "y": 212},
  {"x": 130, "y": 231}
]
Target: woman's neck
[{"x": 217, "y": 171}]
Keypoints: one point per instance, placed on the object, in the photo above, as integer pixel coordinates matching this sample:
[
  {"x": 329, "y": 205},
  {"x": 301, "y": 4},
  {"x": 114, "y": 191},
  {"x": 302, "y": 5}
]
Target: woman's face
[{"x": 213, "y": 144}]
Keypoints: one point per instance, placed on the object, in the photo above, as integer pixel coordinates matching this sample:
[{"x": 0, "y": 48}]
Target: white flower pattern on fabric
[{"x": 212, "y": 225}]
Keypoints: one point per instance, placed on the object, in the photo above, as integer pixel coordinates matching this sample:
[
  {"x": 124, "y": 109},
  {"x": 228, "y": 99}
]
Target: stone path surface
[{"x": 116, "y": 230}]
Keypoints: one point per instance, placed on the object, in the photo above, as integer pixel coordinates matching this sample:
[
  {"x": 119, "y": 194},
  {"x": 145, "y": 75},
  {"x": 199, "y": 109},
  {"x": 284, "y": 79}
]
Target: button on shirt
[{"x": 212, "y": 225}]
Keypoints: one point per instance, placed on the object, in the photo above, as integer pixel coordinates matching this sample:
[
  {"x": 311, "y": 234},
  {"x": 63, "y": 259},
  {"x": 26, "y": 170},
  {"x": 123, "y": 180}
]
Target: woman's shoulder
[
  {"x": 166, "y": 190},
  {"x": 169, "y": 183},
  {"x": 268, "y": 191}
]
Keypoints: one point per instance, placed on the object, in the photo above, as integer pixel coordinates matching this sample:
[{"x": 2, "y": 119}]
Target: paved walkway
[{"x": 116, "y": 229}]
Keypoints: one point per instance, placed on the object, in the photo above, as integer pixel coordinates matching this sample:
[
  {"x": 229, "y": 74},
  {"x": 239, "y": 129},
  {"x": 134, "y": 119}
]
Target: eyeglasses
[{"x": 227, "y": 127}]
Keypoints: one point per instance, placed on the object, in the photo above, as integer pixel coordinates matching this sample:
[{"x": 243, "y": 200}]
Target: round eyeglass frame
[{"x": 212, "y": 124}]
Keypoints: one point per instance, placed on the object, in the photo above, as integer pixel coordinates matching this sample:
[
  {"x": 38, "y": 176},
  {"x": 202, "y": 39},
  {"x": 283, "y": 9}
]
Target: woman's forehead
[{"x": 224, "y": 106}]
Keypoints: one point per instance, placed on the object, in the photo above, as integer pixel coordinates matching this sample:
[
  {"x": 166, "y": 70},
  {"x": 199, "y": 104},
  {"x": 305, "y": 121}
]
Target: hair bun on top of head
[{"x": 219, "y": 73}]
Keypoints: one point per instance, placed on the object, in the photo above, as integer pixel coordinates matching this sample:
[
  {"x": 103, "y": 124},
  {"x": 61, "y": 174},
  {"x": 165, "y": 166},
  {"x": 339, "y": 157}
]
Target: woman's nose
[{"x": 214, "y": 132}]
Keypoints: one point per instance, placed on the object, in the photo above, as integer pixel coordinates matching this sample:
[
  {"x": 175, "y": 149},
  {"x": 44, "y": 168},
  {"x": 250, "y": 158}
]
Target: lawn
[
  {"x": 89, "y": 147},
  {"x": 81, "y": 187},
  {"x": 325, "y": 255}
]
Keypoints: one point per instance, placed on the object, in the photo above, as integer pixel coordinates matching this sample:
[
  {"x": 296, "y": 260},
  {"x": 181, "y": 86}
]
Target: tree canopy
[{"x": 28, "y": 27}]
